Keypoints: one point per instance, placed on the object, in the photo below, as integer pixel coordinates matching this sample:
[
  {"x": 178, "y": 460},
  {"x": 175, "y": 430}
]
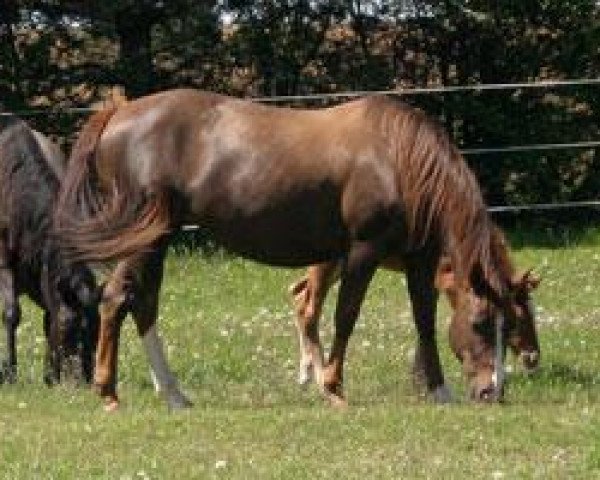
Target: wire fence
[
  {"x": 361, "y": 93},
  {"x": 480, "y": 151}
]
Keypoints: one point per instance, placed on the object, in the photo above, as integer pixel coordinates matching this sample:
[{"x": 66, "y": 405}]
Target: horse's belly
[{"x": 281, "y": 239}]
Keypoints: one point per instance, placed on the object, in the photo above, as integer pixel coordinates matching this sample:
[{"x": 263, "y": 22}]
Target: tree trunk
[
  {"x": 15, "y": 98},
  {"x": 135, "y": 60}
]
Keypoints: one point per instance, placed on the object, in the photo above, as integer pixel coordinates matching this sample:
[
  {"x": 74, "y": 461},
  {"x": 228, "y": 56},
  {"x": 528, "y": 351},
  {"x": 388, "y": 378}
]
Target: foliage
[{"x": 60, "y": 54}]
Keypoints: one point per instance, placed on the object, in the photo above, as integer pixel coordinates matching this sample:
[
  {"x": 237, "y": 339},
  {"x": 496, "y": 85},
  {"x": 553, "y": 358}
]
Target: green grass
[{"x": 228, "y": 328}]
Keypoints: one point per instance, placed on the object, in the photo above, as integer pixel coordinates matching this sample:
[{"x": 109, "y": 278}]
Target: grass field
[{"x": 228, "y": 327}]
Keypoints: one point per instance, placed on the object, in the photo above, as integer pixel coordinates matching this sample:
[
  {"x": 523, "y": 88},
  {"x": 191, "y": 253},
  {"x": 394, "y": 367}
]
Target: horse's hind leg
[
  {"x": 309, "y": 294},
  {"x": 357, "y": 271},
  {"x": 144, "y": 310},
  {"x": 423, "y": 296},
  {"x": 113, "y": 308}
]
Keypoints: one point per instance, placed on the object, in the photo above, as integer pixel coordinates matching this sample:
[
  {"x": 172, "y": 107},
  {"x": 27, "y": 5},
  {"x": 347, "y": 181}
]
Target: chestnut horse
[
  {"x": 310, "y": 291},
  {"x": 361, "y": 181},
  {"x": 30, "y": 262}
]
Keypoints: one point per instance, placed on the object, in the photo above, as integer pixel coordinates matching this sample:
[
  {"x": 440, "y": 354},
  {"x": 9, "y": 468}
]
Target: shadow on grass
[
  {"x": 555, "y": 383},
  {"x": 552, "y": 384},
  {"x": 552, "y": 230},
  {"x": 567, "y": 375}
]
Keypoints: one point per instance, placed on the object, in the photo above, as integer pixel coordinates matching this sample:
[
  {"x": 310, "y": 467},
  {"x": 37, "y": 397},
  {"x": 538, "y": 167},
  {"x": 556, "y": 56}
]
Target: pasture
[{"x": 228, "y": 327}]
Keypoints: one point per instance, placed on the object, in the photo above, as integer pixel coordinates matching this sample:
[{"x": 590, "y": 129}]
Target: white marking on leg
[
  {"x": 305, "y": 371},
  {"x": 305, "y": 364},
  {"x": 165, "y": 382},
  {"x": 318, "y": 365}
]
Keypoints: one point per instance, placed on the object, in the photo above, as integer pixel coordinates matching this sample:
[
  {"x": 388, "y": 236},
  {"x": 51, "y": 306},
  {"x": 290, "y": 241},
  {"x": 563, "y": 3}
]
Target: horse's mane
[
  {"x": 28, "y": 187},
  {"x": 440, "y": 193},
  {"x": 501, "y": 252}
]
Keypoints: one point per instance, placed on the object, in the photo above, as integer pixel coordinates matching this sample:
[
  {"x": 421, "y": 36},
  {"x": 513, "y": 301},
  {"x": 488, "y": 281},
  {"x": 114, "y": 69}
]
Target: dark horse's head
[
  {"x": 484, "y": 325},
  {"x": 74, "y": 298}
]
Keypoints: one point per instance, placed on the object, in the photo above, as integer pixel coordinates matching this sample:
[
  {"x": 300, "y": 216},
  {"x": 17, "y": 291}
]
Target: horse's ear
[
  {"x": 528, "y": 281},
  {"x": 444, "y": 277}
]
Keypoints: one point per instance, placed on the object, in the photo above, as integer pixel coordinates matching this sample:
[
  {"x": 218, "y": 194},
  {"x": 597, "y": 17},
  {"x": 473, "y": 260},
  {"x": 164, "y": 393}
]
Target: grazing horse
[
  {"x": 361, "y": 181},
  {"x": 310, "y": 291},
  {"x": 30, "y": 262}
]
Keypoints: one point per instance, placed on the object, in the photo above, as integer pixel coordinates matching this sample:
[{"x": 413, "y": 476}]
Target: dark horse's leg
[
  {"x": 144, "y": 309},
  {"x": 51, "y": 369},
  {"x": 11, "y": 315},
  {"x": 55, "y": 339},
  {"x": 89, "y": 341},
  {"x": 420, "y": 274},
  {"x": 357, "y": 271}
]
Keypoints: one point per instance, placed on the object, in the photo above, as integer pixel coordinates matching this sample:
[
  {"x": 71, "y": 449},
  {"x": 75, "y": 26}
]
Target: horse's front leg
[
  {"x": 11, "y": 316},
  {"x": 89, "y": 342},
  {"x": 423, "y": 297},
  {"x": 52, "y": 360},
  {"x": 144, "y": 309},
  {"x": 357, "y": 272},
  {"x": 309, "y": 294}
]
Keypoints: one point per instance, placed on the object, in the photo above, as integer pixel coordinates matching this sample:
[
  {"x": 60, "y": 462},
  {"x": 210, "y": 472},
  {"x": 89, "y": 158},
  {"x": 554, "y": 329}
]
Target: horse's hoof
[
  {"x": 442, "y": 395},
  {"x": 179, "y": 402},
  {"x": 337, "y": 401},
  {"x": 334, "y": 396},
  {"x": 8, "y": 376},
  {"x": 111, "y": 404},
  {"x": 104, "y": 390}
]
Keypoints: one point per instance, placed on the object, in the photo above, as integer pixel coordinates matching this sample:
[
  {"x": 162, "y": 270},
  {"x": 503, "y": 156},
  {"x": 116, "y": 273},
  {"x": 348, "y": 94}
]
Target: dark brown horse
[
  {"x": 30, "y": 263},
  {"x": 310, "y": 291},
  {"x": 361, "y": 181}
]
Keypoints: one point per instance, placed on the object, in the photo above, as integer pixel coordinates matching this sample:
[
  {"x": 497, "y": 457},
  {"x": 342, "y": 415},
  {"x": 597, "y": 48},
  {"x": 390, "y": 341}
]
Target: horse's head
[
  {"x": 69, "y": 327},
  {"x": 78, "y": 315},
  {"x": 483, "y": 326},
  {"x": 82, "y": 295}
]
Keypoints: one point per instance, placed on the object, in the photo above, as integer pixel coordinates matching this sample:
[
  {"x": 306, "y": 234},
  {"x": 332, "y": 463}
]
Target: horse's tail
[{"x": 97, "y": 222}]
